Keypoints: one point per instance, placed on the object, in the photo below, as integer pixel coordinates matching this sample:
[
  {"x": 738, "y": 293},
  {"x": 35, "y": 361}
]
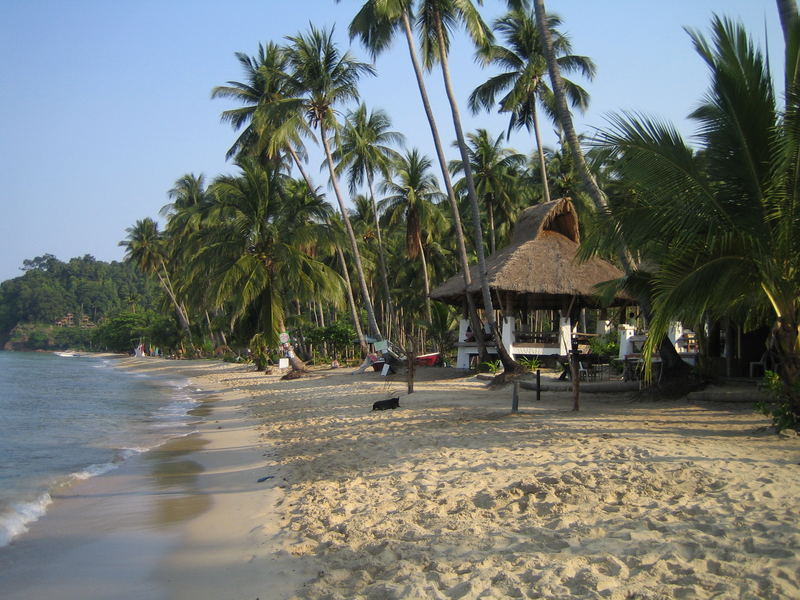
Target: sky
[{"x": 105, "y": 104}]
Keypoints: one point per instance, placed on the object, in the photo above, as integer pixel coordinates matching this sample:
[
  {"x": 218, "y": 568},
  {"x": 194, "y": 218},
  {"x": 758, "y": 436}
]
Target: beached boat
[{"x": 68, "y": 354}]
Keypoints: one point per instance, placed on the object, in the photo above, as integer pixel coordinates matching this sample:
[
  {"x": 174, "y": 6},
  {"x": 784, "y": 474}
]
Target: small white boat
[{"x": 68, "y": 354}]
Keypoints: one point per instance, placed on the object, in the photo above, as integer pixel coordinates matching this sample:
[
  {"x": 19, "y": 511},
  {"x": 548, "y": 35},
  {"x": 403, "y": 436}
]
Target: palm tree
[
  {"x": 726, "y": 216},
  {"x": 257, "y": 248},
  {"x": 319, "y": 79},
  {"x": 363, "y": 150},
  {"x": 495, "y": 170},
  {"x": 375, "y": 25},
  {"x": 433, "y": 21},
  {"x": 413, "y": 200},
  {"x": 145, "y": 248},
  {"x": 269, "y": 128},
  {"x": 522, "y": 83}
]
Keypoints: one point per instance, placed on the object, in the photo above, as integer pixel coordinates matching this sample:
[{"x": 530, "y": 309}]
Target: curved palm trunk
[
  {"x": 183, "y": 318},
  {"x": 373, "y": 324},
  {"x": 787, "y": 10},
  {"x": 425, "y": 279},
  {"x": 509, "y": 364},
  {"x": 565, "y": 119},
  {"x": 540, "y": 152},
  {"x": 451, "y": 195},
  {"x": 351, "y": 302},
  {"x": 294, "y": 361},
  {"x": 381, "y": 259},
  {"x": 300, "y": 168}
]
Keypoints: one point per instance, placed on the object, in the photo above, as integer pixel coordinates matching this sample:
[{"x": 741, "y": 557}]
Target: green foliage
[
  {"x": 493, "y": 366},
  {"x": 122, "y": 332},
  {"x": 605, "y": 345},
  {"x": 442, "y": 327},
  {"x": 50, "y": 288},
  {"x": 779, "y": 408},
  {"x": 259, "y": 349},
  {"x": 530, "y": 363},
  {"x": 338, "y": 336}
]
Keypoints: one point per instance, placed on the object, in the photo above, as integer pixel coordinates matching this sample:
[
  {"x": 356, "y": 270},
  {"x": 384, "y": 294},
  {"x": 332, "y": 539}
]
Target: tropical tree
[
  {"x": 434, "y": 20},
  {"x": 270, "y": 129},
  {"x": 363, "y": 151},
  {"x": 413, "y": 199},
  {"x": 375, "y": 25},
  {"x": 145, "y": 248},
  {"x": 496, "y": 171},
  {"x": 319, "y": 79},
  {"x": 727, "y": 214},
  {"x": 257, "y": 249},
  {"x": 522, "y": 87}
]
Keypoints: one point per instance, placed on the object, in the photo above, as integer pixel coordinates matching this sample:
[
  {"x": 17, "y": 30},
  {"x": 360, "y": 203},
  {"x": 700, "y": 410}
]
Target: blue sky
[{"x": 104, "y": 104}]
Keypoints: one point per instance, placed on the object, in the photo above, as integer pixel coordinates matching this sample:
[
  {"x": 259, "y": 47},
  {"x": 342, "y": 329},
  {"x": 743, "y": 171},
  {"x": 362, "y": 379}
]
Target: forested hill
[{"x": 80, "y": 290}]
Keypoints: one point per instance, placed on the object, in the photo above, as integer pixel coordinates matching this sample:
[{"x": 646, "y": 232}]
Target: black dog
[{"x": 391, "y": 403}]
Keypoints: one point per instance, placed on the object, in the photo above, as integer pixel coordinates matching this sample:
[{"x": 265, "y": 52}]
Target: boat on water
[{"x": 68, "y": 354}]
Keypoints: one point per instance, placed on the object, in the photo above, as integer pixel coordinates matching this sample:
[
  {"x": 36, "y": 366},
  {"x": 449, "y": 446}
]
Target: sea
[{"x": 64, "y": 419}]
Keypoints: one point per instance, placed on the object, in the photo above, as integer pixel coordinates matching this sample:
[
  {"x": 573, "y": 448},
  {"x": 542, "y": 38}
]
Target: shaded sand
[{"x": 453, "y": 497}]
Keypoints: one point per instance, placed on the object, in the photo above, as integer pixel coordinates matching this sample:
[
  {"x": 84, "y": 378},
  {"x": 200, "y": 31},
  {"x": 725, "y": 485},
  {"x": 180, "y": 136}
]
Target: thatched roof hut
[{"x": 539, "y": 268}]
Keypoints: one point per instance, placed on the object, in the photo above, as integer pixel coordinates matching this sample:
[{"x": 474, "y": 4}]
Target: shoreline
[{"x": 452, "y": 496}]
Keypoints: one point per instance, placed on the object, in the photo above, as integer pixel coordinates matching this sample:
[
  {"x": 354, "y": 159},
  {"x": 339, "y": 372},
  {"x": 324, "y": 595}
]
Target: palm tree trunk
[
  {"x": 373, "y": 324},
  {"x": 183, "y": 319},
  {"x": 451, "y": 195},
  {"x": 787, "y": 345},
  {"x": 540, "y": 152},
  {"x": 509, "y": 363},
  {"x": 381, "y": 255},
  {"x": 565, "y": 119},
  {"x": 300, "y": 168},
  {"x": 490, "y": 211},
  {"x": 294, "y": 361},
  {"x": 362, "y": 342},
  {"x": 787, "y": 10},
  {"x": 425, "y": 279}
]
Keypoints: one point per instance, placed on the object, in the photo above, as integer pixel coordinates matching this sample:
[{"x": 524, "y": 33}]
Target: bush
[
  {"x": 530, "y": 363},
  {"x": 492, "y": 366},
  {"x": 780, "y": 407},
  {"x": 605, "y": 345}
]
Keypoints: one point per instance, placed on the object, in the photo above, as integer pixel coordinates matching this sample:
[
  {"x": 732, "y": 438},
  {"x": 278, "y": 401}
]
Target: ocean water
[{"x": 63, "y": 419}]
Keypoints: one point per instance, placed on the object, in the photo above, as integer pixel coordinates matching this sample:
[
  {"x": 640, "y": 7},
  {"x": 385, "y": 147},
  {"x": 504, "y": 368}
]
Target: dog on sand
[{"x": 389, "y": 404}]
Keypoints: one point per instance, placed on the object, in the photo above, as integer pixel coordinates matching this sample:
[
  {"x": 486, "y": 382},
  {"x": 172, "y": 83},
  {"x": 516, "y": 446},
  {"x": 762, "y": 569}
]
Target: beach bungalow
[{"x": 537, "y": 273}]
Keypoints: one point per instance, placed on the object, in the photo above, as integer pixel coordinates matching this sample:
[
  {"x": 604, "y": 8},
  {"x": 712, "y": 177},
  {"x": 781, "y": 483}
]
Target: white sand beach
[
  {"x": 451, "y": 496},
  {"x": 297, "y": 490}
]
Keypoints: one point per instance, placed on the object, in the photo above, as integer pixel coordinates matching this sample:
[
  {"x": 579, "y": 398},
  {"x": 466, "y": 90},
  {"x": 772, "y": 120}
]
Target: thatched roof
[{"x": 540, "y": 262}]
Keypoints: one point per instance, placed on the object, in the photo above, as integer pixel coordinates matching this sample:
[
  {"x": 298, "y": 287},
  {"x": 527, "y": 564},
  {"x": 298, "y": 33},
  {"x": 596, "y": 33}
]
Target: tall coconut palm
[
  {"x": 565, "y": 117},
  {"x": 375, "y": 25},
  {"x": 434, "y": 20},
  {"x": 145, "y": 248},
  {"x": 320, "y": 78},
  {"x": 727, "y": 214},
  {"x": 267, "y": 132},
  {"x": 522, "y": 83},
  {"x": 257, "y": 248},
  {"x": 496, "y": 173},
  {"x": 413, "y": 199},
  {"x": 364, "y": 150}
]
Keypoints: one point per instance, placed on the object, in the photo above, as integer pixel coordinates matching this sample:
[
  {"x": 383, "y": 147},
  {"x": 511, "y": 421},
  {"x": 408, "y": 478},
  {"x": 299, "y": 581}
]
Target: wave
[{"x": 14, "y": 521}]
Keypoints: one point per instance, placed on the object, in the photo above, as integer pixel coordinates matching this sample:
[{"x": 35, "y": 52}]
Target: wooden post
[
  {"x": 411, "y": 366},
  {"x": 576, "y": 380},
  {"x": 515, "y": 398},
  {"x": 538, "y": 385}
]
